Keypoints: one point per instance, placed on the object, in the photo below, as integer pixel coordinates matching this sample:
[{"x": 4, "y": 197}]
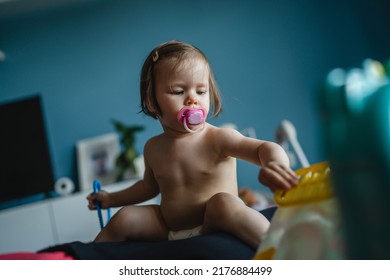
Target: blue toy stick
[{"x": 96, "y": 188}]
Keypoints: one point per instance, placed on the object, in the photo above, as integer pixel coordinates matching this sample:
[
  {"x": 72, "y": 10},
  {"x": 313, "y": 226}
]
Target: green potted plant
[{"x": 126, "y": 161}]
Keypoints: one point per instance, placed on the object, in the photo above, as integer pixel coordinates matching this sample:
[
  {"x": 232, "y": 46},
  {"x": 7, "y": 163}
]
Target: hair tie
[{"x": 155, "y": 56}]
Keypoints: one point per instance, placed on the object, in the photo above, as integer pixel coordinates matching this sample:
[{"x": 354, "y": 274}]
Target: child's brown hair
[{"x": 178, "y": 52}]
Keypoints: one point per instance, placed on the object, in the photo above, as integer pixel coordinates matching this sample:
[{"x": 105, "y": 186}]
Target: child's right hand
[
  {"x": 102, "y": 197},
  {"x": 277, "y": 176}
]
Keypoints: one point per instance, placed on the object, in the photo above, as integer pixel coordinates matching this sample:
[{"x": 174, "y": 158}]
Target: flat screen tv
[{"x": 25, "y": 164}]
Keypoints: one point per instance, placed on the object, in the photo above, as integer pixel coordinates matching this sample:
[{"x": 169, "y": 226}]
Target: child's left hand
[{"x": 277, "y": 176}]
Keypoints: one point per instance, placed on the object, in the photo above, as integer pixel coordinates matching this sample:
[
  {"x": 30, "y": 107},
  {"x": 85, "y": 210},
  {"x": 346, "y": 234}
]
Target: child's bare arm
[
  {"x": 134, "y": 194},
  {"x": 275, "y": 172},
  {"x": 137, "y": 193},
  {"x": 141, "y": 191}
]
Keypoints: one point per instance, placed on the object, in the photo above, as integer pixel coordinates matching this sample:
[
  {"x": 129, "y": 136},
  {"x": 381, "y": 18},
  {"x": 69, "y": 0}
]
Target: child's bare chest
[{"x": 185, "y": 161}]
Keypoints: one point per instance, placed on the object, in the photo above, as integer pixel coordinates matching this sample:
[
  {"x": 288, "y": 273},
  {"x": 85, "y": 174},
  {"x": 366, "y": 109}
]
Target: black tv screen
[{"x": 25, "y": 164}]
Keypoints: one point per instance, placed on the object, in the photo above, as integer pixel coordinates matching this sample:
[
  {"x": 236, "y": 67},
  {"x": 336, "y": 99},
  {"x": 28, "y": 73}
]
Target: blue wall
[{"x": 269, "y": 58}]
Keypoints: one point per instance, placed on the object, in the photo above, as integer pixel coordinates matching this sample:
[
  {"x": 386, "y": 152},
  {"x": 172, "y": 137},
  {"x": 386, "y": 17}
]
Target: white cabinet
[
  {"x": 26, "y": 228},
  {"x": 73, "y": 220},
  {"x": 54, "y": 221}
]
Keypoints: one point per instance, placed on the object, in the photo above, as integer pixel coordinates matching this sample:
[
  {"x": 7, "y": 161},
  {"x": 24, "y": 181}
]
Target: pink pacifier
[{"x": 192, "y": 116}]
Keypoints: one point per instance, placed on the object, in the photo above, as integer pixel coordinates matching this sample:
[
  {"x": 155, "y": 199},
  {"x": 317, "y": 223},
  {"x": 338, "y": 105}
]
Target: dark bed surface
[{"x": 211, "y": 247}]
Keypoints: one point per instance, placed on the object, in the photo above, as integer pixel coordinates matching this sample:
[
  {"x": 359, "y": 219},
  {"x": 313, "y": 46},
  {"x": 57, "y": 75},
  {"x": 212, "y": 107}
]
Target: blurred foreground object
[{"x": 356, "y": 112}]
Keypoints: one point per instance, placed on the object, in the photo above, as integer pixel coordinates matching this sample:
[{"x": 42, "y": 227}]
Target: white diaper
[{"x": 184, "y": 234}]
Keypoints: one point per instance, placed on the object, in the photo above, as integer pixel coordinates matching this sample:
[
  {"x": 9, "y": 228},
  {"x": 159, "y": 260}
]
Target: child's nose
[{"x": 191, "y": 101}]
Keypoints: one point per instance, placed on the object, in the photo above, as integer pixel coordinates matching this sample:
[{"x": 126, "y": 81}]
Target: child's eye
[
  {"x": 178, "y": 92},
  {"x": 201, "y": 92}
]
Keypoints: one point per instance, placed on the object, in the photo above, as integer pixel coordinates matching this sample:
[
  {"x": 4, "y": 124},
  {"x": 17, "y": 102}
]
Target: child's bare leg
[
  {"x": 135, "y": 222},
  {"x": 229, "y": 213}
]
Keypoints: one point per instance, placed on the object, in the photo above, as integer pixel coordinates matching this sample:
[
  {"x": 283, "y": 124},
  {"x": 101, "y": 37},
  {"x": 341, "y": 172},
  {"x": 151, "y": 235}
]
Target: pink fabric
[{"x": 36, "y": 256}]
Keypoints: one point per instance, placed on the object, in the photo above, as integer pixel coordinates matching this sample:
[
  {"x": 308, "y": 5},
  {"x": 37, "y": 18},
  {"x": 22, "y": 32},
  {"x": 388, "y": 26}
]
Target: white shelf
[
  {"x": 26, "y": 228},
  {"x": 32, "y": 227}
]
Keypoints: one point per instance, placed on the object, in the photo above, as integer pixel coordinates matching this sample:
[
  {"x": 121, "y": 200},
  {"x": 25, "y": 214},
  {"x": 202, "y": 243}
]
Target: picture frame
[{"x": 96, "y": 158}]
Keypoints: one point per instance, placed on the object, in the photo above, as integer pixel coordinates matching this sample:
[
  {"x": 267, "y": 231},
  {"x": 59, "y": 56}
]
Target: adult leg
[
  {"x": 135, "y": 222},
  {"x": 225, "y": 212}
]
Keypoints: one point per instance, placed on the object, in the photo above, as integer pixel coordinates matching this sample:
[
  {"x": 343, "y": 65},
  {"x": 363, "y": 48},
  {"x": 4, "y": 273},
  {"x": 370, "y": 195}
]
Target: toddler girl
[{"x": 191, "y": 163}]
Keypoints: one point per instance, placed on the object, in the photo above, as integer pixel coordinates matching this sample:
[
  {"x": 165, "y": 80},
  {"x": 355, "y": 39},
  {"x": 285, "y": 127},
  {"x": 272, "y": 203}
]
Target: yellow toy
[{"x": 306, "y": 224}]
